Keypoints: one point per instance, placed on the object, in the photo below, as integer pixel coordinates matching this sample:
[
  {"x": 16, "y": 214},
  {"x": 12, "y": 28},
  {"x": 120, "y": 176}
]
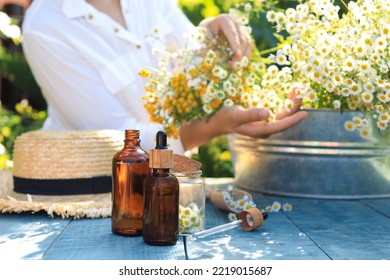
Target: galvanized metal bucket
[{"x": 317, "y": 158}]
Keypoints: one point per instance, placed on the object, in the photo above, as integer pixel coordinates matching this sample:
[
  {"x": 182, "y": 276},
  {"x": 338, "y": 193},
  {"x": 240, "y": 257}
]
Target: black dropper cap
[
  {"x": 161, "y": 140},
  {"x": 161, "y": 157}
]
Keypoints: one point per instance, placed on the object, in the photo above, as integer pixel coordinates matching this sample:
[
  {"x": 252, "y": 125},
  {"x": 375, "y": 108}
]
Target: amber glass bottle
[
  {"x": 130, "y": 166},
  {"x": 161, "y": 197}
]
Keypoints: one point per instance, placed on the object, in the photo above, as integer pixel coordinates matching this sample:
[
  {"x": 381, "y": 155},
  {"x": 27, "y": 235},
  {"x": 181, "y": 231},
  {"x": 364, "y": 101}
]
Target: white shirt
[{"x": 87, "y": 64}]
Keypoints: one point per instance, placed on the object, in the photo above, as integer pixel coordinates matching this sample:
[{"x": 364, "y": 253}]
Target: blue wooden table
[{"x": 315, "y": 229}]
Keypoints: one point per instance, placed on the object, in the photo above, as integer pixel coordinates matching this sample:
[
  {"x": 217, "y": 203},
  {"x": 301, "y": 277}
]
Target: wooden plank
[
  {"x": 380, "y": 205},
  {"x": 27, "y": 236},
  {"x": 92, "y": 239},
  {"x": 278, "y": 238},
  {"x": 346, "y": 230},
  {"x": 315, "y": 229}
]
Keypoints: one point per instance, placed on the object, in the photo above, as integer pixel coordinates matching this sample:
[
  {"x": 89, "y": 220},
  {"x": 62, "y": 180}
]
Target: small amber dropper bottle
[{"x": 161, "y": 197}]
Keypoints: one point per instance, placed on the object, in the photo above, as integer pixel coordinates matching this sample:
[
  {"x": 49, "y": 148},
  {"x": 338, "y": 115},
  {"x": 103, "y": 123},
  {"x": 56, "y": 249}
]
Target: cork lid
[
  {"x": 251, "y": 218},
  {"x": 161, "y": 157}
]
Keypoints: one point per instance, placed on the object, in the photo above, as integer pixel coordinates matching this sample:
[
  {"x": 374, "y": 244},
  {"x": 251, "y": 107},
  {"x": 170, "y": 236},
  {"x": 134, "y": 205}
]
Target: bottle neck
[{"x": 132, "y": 138}]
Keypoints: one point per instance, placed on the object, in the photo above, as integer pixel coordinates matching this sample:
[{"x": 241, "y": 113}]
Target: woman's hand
[
  {"x": 235, "y": 33},
  {"x": 250, "y": 122},
  {"x": 246, "y": 124}
]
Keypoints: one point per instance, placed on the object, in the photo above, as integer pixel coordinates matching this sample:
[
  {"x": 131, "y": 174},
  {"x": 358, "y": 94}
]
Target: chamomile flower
[
  {"x": 207, "y": 109},
  {"x": 233, "y": 206},
  {"x": 248, "y": 205},
  {"x": 364, "y": 66},
  {"x": 287, "y": 207},
  {"x": 276, "y": 206},
  {"x": 281, "y": 58},
  {"x": 369, "y": 87},
  {"x": 271, "y": 16},
  {"x": 384, "y": 29},
  {"x": 337, "y": 79},
  {"x": 336, "y": 104},
  {"x": 345, "y": 91},
  {"x": 367, "y": 97},
  {"x": 349, "y": 125},
  {"x": 384, "y": 68},
  {"x": 311, "y": 96},
  {"x": 289, "y": 105},
  {"x": 380, "y": 108},
  {"x": 308, "y": 68},
  {"x": 234, "y": 78},
  {"x": 382, "y": 97},
  {"x": 219, "y": 72},
  {"x": 364, "y": 133},
  {"x": 382, "y": 125},
  {"x": 232, "y": 217},
  {"x": 272, "y": 70},
  {"x": 209, "y": 61},
  {"x": 383, "y": 118},
  {"x": 349, "y": 64},
  {"x": 228, "y": 103},
  {"x": 357, "y": 121},
  {"x": 227, "y": 85},
  {"x": 244, "y": 61},
  {"x": 364, "y": 123},
  {"x": 241, "y": 203},
  {"x": 211, "y": 54}
]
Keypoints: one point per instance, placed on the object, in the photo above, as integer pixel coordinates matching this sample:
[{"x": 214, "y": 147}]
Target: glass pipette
[{"x": 248, "y": 220}]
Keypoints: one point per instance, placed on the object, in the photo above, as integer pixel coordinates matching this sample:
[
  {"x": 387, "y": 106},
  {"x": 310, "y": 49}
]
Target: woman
[{"x": 85, "y": 55}]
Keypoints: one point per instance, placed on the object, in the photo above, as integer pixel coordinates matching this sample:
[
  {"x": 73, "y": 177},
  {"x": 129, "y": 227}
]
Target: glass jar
[{"x": 192, "y": 201}]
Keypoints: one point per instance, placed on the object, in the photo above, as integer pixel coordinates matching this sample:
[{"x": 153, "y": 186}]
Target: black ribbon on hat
[{"x": 94, "y": 185}]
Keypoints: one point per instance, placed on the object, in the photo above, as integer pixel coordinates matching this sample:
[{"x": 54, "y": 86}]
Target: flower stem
[
  {"x": 345, "y": 4},
  {"x": 267, "y": 51}
]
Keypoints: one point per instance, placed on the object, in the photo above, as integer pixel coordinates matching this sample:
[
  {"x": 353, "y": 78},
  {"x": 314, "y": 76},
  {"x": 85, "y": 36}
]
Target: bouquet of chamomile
[{"x": 195, "y": 82}]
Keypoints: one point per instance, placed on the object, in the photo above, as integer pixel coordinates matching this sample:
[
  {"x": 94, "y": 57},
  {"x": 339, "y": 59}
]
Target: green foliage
[
  {"x": 215, "y": 158},
  {"x": 197, "y": 10},
  {"x": 14, "y": 123},
  {"x": 14, "y": 68}
]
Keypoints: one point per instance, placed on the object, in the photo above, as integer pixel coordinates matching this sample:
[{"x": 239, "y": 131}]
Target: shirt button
[
  {"x": 90, "y": 16},
  {"x": 138, "y": 46},
  {"x": 116, "y": 29}
]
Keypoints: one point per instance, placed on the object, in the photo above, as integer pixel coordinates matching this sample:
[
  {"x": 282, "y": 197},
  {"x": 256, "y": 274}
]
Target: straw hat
[{"x": 66, "y": 173}]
